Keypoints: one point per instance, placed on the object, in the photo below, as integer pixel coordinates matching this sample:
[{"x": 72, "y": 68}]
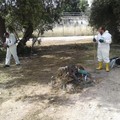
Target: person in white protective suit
[
  {"x": 104, "y": 39},
  {"x": 10, "y": 44}
]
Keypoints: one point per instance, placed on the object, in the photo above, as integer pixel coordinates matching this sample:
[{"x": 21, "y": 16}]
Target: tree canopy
[
  {"x": 35, "y": 14},
  {"x": 29, "y": 14},
  {"x": 107, "y": 13},
  {"x": 75, "y": 5}
]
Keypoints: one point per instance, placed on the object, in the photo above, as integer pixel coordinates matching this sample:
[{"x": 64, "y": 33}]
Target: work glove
[
  {"x": 101, "y": 41},
  {"x": 94, "y": 40}
]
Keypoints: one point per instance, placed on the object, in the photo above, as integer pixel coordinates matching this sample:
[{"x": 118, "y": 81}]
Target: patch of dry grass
[
  {"x": 70, "y": 31},
  {"x": 30, "y": 82},
  {"x": 66, "y": 31}
]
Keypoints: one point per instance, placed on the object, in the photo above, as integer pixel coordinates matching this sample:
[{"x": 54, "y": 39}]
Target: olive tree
[{"x": 107, "y": 13}]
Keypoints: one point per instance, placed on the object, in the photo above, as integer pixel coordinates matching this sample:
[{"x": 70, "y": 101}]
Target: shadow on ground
[{"x": 38, "y": 69}]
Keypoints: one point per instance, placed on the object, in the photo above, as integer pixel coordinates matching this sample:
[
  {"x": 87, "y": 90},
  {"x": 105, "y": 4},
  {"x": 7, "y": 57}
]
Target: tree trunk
[
  {"x": 116, "y": 37},
  {"x": 28, "y": 34},
  {"x": 2, "y": 29},
  {"x": 115, "y": 33},
  {"x": 21, "y": 48}
]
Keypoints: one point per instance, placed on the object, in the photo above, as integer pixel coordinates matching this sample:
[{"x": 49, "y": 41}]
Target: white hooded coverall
[
  {"x": 11, "y": 50},
  {"x": 104, "y": 48}
]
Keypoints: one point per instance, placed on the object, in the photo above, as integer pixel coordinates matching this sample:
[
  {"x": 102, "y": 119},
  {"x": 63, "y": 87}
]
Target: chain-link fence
[{"x": 72, "y": 24}]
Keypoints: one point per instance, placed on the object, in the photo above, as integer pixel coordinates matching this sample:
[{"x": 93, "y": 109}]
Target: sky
[{"x": 90, "y": 2}]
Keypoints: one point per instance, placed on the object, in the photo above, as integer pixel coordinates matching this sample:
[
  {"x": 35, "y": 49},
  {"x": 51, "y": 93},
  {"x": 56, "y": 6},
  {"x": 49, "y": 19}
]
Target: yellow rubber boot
[
  {"x": 107, "y": 67},
  {"x": 99, "y": 66}
]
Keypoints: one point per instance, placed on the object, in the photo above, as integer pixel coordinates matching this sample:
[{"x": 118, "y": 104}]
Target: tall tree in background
[
  {"x": 3, "y": 13},
  {"x": 71, "y": 6},
  {"x": 2, "y": 29},
  {"x": 83, "y": 5},
  {"x": 75, "y": 5},
  {"x": 107, "y": 13}
]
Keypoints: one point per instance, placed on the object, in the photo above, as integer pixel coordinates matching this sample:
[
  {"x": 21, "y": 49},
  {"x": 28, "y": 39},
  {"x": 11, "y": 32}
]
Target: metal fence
[{"x": 72, "y": 24}]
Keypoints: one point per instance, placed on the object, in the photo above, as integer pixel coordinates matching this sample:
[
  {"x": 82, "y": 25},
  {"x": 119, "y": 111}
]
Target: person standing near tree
[
  {"x": 104, "y": 39},
  {"x": 10, "y": 44}
]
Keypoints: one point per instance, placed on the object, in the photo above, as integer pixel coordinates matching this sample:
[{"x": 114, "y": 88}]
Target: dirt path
[
  {"x": 47, "y": 41},
  {"x": 25, "y": 93}
]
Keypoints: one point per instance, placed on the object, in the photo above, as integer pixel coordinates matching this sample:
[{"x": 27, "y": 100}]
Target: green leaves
[
  {"x": 75, "y": 5},
  {"x": 24, "y": 12},
  {"x": 107, "y": 13},
  {"x": 83, "y": 5}
]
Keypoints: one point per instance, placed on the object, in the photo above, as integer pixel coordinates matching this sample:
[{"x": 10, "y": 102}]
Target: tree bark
[
  {"x": 28, "y": 34},
  {"x": 2, "y": 29},
  {"x": 116, "y": 37},
  {"x": 21, "y": 48},
  {"x": 114, "y": 30}
]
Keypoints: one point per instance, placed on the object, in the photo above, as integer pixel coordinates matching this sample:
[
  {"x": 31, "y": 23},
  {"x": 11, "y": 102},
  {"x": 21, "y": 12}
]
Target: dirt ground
[{"x": 26, "y": 93}]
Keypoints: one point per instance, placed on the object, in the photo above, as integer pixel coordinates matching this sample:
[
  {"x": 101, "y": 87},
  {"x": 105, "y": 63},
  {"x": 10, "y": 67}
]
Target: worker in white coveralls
[
  {"x": 10, "y": 44},
  {"x": 104, "y": 40}
]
